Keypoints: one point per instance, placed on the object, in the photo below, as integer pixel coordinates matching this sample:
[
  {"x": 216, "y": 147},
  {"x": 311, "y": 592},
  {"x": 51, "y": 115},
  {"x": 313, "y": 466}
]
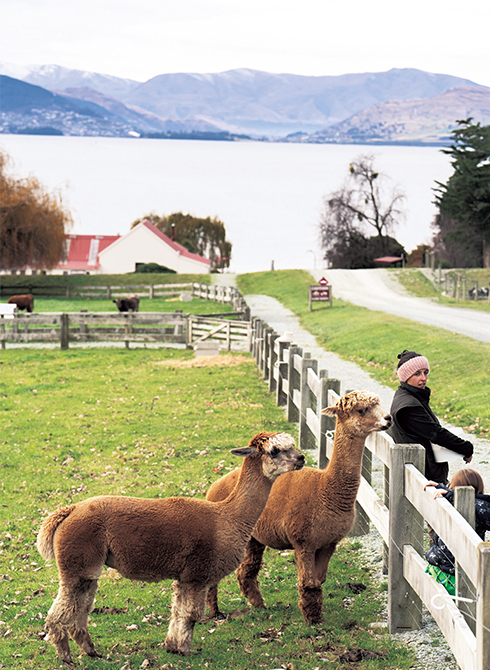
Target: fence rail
[
  {"x": 163, "y": 327},
  {"x": 398, "y": 511}
]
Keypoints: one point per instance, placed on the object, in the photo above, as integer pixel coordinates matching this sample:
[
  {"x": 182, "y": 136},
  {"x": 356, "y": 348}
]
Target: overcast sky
[{"x": 141, "y": 39}]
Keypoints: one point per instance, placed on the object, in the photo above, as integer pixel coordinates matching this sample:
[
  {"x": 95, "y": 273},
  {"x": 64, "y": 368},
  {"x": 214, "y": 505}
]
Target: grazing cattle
[
  {"x": 482, "y": 293},
  {"x": 128, "y": 304},
  {"x": 22, "y": 301}
]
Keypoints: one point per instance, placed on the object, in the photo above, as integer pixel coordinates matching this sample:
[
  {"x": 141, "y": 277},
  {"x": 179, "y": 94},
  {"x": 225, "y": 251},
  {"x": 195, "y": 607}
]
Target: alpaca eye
[{"x": 362, "y": 412}]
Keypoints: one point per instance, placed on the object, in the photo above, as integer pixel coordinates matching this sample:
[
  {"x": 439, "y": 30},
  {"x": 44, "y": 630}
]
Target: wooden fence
[
  {"x": 397, "y": 507},
  {"x": 228, "y": 330},
  {"x": 460, "y": 287},
  {"x": 148, "y": 327}
]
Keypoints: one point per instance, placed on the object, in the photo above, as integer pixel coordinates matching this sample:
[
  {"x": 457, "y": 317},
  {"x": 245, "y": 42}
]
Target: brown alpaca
[
  {"x": 195, "y": 542},
  {"x": 312, "y": 510}
]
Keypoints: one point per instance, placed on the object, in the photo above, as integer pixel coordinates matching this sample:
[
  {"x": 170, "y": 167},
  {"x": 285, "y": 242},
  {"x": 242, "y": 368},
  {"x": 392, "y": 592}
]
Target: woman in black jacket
[
  {"x": 438, "y": 554},
  {"x": 413, "y": 420}
]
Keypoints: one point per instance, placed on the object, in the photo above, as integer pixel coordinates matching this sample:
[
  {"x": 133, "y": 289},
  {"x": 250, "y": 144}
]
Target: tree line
[{"x": 365, "y": 204}]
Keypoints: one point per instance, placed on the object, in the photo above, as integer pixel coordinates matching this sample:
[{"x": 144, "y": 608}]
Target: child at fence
[
  {"x": 439, "y": 557},
  {"x": 414, "y": 422}
]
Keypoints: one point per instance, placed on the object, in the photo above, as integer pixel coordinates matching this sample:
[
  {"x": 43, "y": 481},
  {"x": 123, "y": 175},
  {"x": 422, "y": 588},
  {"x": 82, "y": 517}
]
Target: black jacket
[
  {"x": 415, "y": 423},
  {"x": 438, "y": 554}
]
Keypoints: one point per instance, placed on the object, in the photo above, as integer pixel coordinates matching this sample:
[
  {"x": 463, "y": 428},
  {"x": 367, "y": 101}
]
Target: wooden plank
[
  {"x": 378, "y": 513},
  {"x": 449, "y": 619}
]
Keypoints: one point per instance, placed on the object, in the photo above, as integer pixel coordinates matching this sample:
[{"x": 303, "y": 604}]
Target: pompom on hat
[{"x": 410, "y": 362}]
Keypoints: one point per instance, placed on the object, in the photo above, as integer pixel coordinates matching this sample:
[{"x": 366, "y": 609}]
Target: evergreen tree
[{"x": 465, "y": 198}]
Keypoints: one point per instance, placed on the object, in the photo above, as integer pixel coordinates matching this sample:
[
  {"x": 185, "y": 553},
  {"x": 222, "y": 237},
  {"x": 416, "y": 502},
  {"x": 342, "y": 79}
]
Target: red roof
[
  {"x": 83, "y": 251},
  {"x": 388, "y": 259},
  {"x": 172, "y": 243}
]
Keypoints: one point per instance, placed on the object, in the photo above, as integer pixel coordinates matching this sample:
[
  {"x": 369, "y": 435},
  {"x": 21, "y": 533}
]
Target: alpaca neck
[
  {"x": 344, "y": 469},
  {"x": 249, "y": 497}
]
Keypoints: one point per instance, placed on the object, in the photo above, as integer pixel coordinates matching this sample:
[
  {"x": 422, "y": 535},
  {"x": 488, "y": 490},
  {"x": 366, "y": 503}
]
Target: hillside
[
  {"x": 410, "y": 121},
  {"x": 28, "y": 108}
]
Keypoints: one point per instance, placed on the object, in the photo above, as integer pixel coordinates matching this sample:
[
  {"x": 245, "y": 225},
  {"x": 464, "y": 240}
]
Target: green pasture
[
  {"x": 76, "y": 304},
  {"x": 80, "y": 423},
  {"x": 460, "y": 366}
]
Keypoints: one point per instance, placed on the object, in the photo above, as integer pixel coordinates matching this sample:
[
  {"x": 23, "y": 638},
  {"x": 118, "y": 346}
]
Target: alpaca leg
[
  {"x": 188, "y": 604},
  {"x": 79, "y": 631},
  {"x": 212, "y": 600},
  {"x": 57, "y": 621},
  {"x": 248, "y": 571},
  {"x": 322, "y": 560},
  {"x": 68, "y": 614},
  {"x": 310, "y": 588}
]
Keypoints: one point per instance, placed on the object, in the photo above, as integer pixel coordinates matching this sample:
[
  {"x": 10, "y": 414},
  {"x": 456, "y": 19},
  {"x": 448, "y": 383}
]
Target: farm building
[{"x": 146, "y": 244}]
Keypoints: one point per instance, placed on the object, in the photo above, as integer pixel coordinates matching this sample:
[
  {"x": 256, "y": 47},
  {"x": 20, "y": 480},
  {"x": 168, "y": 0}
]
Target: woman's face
[{"x": 419, "y": 379}]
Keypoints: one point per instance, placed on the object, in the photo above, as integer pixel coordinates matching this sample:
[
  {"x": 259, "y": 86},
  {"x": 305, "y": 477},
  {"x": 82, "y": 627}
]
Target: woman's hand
[
  {"x": 430, "y": 484},
  {"x": 467, "y": 459}
]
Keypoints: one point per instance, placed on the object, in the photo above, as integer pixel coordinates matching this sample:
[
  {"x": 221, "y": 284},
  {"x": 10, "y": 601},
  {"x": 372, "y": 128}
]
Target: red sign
[
  {"x": 323, "y": 281},
  {"x": 320, "y": 293}
]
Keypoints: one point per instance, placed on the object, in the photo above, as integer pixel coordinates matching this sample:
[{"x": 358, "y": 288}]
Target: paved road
[{"x": 378, "y": 290}]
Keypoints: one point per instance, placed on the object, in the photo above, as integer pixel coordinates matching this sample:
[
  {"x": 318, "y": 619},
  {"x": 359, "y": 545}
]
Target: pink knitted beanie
[{"x": 410, "y": 363}]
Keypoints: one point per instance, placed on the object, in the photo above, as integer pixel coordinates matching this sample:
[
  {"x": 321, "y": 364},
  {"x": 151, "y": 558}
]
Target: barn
[{"x": 146, "y": 244}]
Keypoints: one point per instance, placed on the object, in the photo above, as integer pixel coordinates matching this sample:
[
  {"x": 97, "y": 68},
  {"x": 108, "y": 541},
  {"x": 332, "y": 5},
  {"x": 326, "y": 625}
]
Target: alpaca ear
[
  {"x": 243, "y": 451},
  {"x": 330, "y": 411}
]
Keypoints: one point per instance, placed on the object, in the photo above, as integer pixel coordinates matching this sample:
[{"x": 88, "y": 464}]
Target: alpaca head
[
  {"x": 361, "y": 412},
  {"x": 276, "y": 450}
]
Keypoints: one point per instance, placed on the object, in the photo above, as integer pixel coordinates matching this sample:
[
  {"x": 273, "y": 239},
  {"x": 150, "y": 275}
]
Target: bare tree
[{"x": 363, "y": 203}]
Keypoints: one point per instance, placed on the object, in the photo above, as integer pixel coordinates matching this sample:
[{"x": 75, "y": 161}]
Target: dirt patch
[{"x": 221, "y": 361}]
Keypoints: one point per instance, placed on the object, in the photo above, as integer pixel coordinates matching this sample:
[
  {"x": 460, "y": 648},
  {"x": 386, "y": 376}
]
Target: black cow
[
  {"x": 482, "y": 292},
  {"x": 128, "y": 304},
  {"x": 22, "y": 301}
]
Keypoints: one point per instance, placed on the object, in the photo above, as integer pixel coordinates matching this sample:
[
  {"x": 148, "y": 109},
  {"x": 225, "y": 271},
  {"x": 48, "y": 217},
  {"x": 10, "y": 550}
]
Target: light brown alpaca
[
  {"x": 312, "y": 510},
  {"x": 195, "y": 542}
]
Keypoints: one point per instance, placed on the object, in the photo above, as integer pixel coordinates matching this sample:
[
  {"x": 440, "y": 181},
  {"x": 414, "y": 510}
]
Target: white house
[{"x": 146, "y": 244}]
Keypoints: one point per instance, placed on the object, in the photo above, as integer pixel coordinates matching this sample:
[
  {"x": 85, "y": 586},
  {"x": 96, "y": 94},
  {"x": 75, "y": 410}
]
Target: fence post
[
  {"x": 327, "y": 423},
  {"x": 283, "y": 372},
  {"x": 273, "y": 360},
  {"x": 151, "y": 292},
  {"x": 406, "y": 527},
  {"x": 64, "y": 332},
  {"x": 483, "y": 608},
  {"x": 304, "y": 432},
  {"x": 464, "y": 503},
  {"x": 108, "y": 293},
  {"x": 292, "y": 411},
  {"x": 267, "y": 351}
]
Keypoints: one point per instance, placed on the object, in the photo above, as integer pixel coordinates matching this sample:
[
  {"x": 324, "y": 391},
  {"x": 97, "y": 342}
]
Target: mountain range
[{"x": 400, "y": 105}]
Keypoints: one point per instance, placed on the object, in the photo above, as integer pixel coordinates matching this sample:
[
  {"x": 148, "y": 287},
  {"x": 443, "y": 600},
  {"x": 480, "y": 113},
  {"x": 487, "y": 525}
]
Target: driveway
[{"x": 379, "y": 290}]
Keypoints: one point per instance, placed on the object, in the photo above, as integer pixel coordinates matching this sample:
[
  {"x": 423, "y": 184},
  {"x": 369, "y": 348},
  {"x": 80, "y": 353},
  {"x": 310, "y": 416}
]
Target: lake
[{"x": 268, "y": 195}]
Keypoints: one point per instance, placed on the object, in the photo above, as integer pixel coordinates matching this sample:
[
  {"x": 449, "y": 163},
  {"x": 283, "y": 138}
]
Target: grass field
[{"x": 152, "y": 423}]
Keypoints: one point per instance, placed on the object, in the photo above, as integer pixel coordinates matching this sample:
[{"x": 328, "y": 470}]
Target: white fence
[{"x": 398, "y": 511}]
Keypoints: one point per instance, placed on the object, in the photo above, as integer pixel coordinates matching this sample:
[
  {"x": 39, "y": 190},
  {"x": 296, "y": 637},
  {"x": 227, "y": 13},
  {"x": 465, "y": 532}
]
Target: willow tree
[
  {"x": 33, "y": 223},
  {"x": 206, "y": 237}
]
